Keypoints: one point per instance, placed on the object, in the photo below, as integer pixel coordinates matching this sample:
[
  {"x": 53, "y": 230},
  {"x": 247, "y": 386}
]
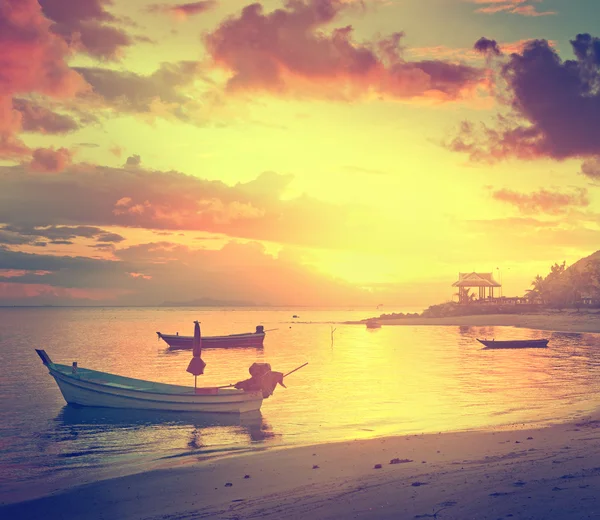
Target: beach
[
  {"x": 571, "y": 321},
  {"x": 514, "y": 472}
]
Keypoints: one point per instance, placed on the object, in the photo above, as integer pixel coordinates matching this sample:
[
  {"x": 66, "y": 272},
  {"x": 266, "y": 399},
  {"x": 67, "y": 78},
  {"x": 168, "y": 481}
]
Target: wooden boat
[
  {"x": 521, "y": 343},
  {"x": 248, "y": 340},
  {"x": 84, "y": 387}
]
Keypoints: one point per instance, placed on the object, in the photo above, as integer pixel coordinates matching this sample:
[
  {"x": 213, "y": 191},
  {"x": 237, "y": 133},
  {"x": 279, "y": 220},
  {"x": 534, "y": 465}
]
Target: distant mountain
[{"x": 208, "y": 302}]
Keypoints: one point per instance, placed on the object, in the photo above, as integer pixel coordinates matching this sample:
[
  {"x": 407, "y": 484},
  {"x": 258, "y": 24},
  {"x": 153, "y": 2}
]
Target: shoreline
[
  {"x": 574, "y": 322},
  {"x": 549, "y": 472}
]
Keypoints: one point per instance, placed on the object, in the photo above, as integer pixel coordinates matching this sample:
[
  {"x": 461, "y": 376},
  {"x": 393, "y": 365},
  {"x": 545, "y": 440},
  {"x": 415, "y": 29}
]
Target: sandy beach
[
  {"x": 583, "y": 322},
  {"x": 547, "y": 473},
  {"x": 519, "y": 471}
]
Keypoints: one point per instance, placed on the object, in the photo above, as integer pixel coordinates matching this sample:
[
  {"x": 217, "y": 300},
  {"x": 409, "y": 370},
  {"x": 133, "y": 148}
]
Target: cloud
[
  {"x": 173, "y": 201},
  {"x": 148, "y": 274},
  {"x": 522, "y": 7},
  {"x": 591, "y": 168},
  {"x": 84, "y": 25},
  {"x": 33, "y": 60},
  {"x": 486, "y": 46},
  {"x": 23, "y": 234},
  {"x": 49, "y": 160},
  {"x": 543, "y": 201},
  {"x": 554, "y": 106},
  {"x": 133, "y": 161},
  {"x": 12, "y": 293},
  {"x": 183, "y": 11},
  {"x": 36, "y": 118},
  {"x": 109, "y": 237},
  {"x": 168, "y": 92},
  {"x": 287, "y": 52},
  {"x": 66, "y": 271}
]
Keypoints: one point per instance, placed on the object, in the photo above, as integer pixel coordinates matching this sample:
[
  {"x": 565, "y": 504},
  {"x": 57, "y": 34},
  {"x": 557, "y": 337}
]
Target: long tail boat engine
[{"x": 263, "y": 378}]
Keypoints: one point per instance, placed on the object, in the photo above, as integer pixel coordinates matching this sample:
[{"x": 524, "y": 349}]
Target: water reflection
[
  {"x": 132, "y": 419},
  {"x": 465, "y": 330},
  {"x": 96, "y": 420},
  {"x": 84, "y": 438}
]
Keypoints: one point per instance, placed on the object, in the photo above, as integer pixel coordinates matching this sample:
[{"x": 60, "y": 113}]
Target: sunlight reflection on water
[{"x": 367, "y": 383}]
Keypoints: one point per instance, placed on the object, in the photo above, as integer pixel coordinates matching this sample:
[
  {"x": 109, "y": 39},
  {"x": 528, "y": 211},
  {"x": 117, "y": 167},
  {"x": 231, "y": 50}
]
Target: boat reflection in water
[
  {"x": 115, "y": 418},
  {"x": 92, "y": 437}
]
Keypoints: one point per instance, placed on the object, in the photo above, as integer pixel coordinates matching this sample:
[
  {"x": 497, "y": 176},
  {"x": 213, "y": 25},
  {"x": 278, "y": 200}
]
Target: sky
[{"x": 296, "y": 152}]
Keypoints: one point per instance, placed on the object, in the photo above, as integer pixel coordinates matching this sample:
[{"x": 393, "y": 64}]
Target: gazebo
[{"x": 482, "y": 280}]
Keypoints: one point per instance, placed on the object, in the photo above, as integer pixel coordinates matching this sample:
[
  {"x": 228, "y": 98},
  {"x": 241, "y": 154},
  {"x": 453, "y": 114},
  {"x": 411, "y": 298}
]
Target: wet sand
[
  {"x": 584, "y": 322},
  {"x": 548, "y": 473}
]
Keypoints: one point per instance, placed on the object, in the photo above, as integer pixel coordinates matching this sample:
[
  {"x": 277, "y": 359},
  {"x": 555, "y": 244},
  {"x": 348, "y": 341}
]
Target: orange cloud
[
  {"x": 522, "y": 7},
  {"x": 140, "y": 275},
  {"x": 287, "y": 52},
  {"x": 33, "y": 59},
  {"x": 49, "y": 160},
  {"x": 135, "y": 197},
  {"x": 14, "y": 273},
  {"x": 543, "y": 201}
]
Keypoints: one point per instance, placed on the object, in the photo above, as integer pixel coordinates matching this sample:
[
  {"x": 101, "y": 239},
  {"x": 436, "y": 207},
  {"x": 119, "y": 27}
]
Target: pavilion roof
[{"x": 476, "y": 280}]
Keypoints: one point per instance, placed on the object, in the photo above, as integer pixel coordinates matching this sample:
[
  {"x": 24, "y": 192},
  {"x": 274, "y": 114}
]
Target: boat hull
[
  {"x": 83, "y": 392},
  {"x": 534, "y": 343},
  {"x": 249, "y": 340}
]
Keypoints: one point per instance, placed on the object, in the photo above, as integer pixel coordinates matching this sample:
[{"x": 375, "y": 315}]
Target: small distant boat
[
  {"x": 373, "y": 324},
  {"x": 84, "y": 387},
  {"x": 247, "y": 339},
  {"x": 521, "y": 343}
]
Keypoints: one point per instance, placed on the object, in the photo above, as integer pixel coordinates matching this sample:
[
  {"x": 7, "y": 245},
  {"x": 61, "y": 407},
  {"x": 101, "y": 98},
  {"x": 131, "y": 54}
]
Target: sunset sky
[{"x": 299, "y": 152}]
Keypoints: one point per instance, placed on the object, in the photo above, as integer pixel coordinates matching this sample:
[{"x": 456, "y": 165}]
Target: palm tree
[
  {"x": 464, "y": 295},
  {"x": 538, "y": 291}
]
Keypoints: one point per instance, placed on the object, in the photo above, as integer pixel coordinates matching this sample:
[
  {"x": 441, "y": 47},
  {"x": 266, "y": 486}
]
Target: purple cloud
[{"x": 554, "y": 106}]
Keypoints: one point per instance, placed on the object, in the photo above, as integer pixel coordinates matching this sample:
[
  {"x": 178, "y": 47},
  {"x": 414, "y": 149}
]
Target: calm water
[{"x": 366, "y": 383}]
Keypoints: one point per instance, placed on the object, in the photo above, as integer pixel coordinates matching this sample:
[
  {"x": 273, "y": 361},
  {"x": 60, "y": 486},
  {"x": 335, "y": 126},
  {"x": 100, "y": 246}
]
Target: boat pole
[{"x": 285, "y": 375}]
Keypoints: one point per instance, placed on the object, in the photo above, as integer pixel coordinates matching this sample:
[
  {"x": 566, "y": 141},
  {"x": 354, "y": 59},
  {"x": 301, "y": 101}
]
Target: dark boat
[
  {"x": 520, "y": 343},
  {"x": 247, "y": 339},
  {"x": 373, "y": 324}
]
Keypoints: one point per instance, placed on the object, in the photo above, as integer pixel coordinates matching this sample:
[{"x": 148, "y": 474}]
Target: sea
[{"x": 358, "y": 383}]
